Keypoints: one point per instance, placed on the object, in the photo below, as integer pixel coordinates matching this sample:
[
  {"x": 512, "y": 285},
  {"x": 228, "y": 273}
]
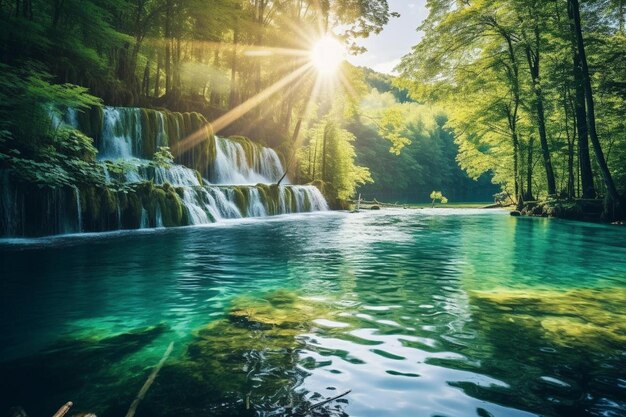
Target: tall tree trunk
[
  {"x": 591, "y": 114},
  {"x": 157, "y": 75},
  {"x": 584, "y": 159},
  {"x": 57, "y": 8},
  {"x": 310, "y": 164},
  {"x": 529, "y": 170},
  {"x": 215, "y": 97},
  {"x": 27, "y": 9},
  {"x": 324, "y": 143},
  {"x": 168, "y": 50},
  {"x": 570, "y": 144},
  {"x": 232, "y": 102},
  {"x": 512, "y": 112},
  {"x": 516, "y": 150},
  {"x": 621, "y": 10},
  {"x": 145, "y": 89},
  {"x": 533, "y": 63},
  {"x": 314, "y": 161},
  {"x": 177, "y": 64}
]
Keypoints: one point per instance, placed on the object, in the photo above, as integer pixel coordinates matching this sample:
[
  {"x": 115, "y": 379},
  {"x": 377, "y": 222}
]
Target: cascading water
[
  {"x": 79, "y": 210},
  {"x": 232, "y": 165},
  {"x": 121, "y": 133},
  {"x": 128, "y": 136},
  {"x": 236, "y": 169}
]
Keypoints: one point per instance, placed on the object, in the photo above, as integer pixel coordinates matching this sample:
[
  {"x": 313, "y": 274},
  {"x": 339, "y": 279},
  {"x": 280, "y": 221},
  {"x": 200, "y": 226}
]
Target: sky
[{"x": 397, "y": 38}]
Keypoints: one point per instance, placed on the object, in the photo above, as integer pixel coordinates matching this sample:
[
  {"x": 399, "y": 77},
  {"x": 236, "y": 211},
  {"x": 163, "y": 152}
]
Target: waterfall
[
  {"x": 55, "y": 119},
  {"x": 79, "y": 211},
  {"x": 232, "y": 165},
  {"x": 159, "y": 216},
  {"x": 284, "y": 205},
  {"x": 128, "y": 135},
  {"x": 107, "y": 175},
  {"x": 225, "y": 203},
  {"x": 71, "y": 118},
  {"x": 313, "y": 196},
  {"x": 161, "y": 134},
  {"x": 121, "y": 133},
  {"x": 176, "y": 175},
  {"x": 196, "y": 213},
  {"x": 256, "y": 208},
  {"x": 267, "y": 164},
  {"x": 144, "y": 222},
  {"x": 118, "y": 210}
]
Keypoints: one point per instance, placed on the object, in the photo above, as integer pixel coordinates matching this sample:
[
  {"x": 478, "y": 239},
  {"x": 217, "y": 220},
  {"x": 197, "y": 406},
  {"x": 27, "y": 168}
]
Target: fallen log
[
  {"x": 146, "y": 386},
  {"x": 64, "y": 409},
  {"x": 328, "y": 400}
]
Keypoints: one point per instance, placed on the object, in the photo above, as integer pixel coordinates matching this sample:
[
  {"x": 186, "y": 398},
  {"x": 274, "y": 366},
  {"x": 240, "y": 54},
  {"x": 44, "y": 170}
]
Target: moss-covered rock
[
  {"x": 244, "y": 364},
  {"x": 269, "y": 197},
  {"x": 241, "y": 200},
  {"x": 581, "y": 317},
  {"x": 250, "y": 148},
  {"x": 170, "y": 205},
  {"x": 131, "y": 215}
]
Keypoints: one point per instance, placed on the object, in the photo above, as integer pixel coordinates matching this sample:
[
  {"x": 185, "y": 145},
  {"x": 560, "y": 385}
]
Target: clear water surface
[{"x": 417, "y": 312}]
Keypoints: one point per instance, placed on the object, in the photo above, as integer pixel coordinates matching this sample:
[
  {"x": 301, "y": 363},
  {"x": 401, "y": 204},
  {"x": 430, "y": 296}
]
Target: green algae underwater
[{"x": 417, "y": 312}]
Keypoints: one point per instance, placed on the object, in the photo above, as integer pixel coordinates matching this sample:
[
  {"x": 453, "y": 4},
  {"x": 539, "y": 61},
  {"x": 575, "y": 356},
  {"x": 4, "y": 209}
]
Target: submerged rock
[
  {"x": 576, "y": 317},
  {"x": 569, "y": 343},
  {"x": 246, "y": 364}
]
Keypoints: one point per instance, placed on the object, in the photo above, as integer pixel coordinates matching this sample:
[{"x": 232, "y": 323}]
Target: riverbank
[
  {"x": 587, "y": 210},
  {"x": 376, "y": 205}
]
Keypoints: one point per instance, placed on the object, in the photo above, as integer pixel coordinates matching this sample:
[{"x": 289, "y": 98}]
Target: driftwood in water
[
  {"x": 377, "y": 203},
  {"x": 146, "y": 386},
  {"x": 328, "y": 400},
  {"x": 64, "y": 409}
]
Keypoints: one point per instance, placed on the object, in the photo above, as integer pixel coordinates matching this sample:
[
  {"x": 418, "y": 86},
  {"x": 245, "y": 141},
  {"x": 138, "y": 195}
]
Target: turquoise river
[{"x": 417, "y": 312}]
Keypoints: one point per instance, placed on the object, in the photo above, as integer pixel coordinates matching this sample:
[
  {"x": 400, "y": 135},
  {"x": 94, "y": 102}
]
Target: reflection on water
[{"x": 419, "y": 313}]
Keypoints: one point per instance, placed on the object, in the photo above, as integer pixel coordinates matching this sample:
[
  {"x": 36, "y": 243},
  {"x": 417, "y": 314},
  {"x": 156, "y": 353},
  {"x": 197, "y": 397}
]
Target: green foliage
[
  {"x": 29, "y": 102},
  {"x": 66, "y": 160},
  {"x": 426, "y": 161},
  {"x": 503, "y": 71},
  {"x": 163, "y": 158},
  {"x": 438, "y": 196},
  {"x": 330, "y": 156}
]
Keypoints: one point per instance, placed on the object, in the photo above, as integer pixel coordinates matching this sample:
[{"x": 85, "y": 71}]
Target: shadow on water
[{"x": 82, "y": 369}]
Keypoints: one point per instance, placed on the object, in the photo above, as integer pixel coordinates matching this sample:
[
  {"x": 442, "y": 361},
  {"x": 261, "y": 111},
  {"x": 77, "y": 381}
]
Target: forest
[
  {"x": 535, "y": 93},
  {"x": 237, "y": 208},
  {"x": 519, "y": 98},
  {"x": 239, "y": 65}
]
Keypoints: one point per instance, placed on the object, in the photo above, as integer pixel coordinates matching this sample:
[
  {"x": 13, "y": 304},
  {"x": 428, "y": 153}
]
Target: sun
[{"x": 327, "y": 55}]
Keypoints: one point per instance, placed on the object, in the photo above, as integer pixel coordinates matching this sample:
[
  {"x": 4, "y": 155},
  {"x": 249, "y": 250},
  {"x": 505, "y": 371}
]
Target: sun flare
[{"x": 327, "y": 55}]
